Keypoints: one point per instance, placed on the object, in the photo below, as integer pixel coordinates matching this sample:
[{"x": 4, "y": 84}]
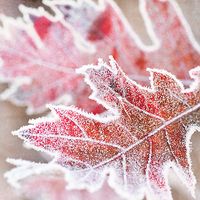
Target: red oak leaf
[
  {"x": 147, "y": 131},
  {"x": 174, "y": 47},
  {"x": 40, "y": 52}
]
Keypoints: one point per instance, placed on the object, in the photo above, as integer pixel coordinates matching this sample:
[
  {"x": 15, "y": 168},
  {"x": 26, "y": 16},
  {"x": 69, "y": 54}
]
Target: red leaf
[
  {"x": 147, "y": 131},
  {"x": 40, "y": 55}
]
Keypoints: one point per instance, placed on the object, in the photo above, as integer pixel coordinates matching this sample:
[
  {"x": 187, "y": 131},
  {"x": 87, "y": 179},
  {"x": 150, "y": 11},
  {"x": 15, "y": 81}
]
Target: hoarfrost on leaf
[
  {"x": 147, "y": 130},
  {"x": 48, "y": 181},
  {"x": 40, "y": 52}
]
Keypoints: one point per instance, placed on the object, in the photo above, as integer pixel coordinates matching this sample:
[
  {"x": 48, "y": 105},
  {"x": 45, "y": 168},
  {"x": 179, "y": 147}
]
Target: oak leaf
[
  {"x": 146, "y": 131},
  {"x": 40, "y": 52},
  {"x": 45, "y": 181}
]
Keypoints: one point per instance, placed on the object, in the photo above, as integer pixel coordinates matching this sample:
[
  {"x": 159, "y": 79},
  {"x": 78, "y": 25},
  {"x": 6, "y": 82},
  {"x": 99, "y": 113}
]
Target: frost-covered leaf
[
  {"x": 45, "y": 181},
  {"x": 147, "y": 131},
  {"x": 54, "y": 188},
  {"x": 40, "y": 52}
]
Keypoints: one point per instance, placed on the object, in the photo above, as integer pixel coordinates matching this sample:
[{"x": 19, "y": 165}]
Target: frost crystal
[
  {"x": 146, "y": 132},
  {"x": 40, "y": 52}
]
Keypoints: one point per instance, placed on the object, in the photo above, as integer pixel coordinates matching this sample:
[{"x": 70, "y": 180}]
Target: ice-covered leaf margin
[
  {"x": 147, "y": 132},
  {"x": 25, "y": 169},
  {"x": 173, "y": 48},
  {"x": 47, "y": 181}
]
